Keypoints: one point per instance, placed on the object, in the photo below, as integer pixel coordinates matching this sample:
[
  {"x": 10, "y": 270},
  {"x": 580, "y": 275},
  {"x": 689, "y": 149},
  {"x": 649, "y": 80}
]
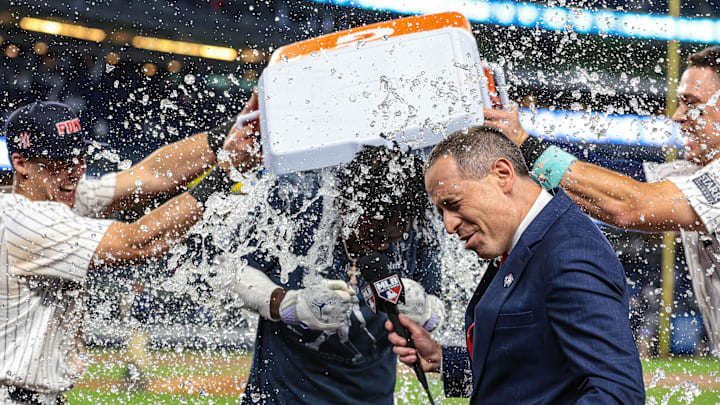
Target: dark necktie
[{"x": 484, "y": 284}]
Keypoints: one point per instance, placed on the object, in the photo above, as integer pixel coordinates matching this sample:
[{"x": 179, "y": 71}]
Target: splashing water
[{"x": 228, "y": 220}]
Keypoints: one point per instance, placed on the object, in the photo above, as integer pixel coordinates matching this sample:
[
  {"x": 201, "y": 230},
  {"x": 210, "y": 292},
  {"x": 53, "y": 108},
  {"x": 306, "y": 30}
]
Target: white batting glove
[
  {"x": 425, "y": 309},
  {"x": 324, "y": 306}
]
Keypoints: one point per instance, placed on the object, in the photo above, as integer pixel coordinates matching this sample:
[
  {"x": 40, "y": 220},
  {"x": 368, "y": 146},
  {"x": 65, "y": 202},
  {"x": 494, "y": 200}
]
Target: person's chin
[
  {"x": 693, "y": 153},
  {"x": 479, "y": 248}
]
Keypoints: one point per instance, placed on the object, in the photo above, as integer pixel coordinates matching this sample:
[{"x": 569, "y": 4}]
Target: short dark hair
[
  {"x": 708, "y": 57},
  {"x": 383, "y": 181},
  {"x": 476, "y": 148}
]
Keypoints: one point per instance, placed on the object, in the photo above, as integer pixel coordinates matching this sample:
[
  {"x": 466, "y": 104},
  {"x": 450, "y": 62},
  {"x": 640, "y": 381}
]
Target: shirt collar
[{"x": 540, "y": 202}]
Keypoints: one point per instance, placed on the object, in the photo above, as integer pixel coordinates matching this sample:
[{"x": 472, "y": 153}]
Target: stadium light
[
  {"x": 62, "y": 29},
  {"x": 530, "y": 15},
  {"x": 185, "y": 48}
]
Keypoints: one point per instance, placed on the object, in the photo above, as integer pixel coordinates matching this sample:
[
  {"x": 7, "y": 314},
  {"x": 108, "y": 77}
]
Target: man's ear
[
  {"x": 19, "y": 164},
  {"x": 504, "y": 171}
]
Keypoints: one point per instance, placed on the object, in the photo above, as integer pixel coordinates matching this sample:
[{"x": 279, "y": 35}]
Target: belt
[{"x": 26, "y": 396}]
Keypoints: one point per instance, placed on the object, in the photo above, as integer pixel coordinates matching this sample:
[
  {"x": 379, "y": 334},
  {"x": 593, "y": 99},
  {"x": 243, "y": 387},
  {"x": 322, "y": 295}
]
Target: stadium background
[{"x": 136, "y": 94}]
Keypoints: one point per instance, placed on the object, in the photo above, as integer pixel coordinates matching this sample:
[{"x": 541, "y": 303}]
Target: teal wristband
[{"x": 551, "y": 166}]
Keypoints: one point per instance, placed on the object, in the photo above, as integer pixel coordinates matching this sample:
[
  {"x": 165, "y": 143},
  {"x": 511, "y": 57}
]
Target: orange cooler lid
[{"x": 368, "y": 33}]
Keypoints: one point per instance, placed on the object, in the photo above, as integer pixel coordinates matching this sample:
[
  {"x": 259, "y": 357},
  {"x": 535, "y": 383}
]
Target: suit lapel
[{"x": 505, "y": 281}]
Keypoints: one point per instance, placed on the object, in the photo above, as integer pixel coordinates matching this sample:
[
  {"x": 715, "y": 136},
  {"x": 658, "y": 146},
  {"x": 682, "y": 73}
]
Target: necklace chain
[{"x": 353, "y": 272}]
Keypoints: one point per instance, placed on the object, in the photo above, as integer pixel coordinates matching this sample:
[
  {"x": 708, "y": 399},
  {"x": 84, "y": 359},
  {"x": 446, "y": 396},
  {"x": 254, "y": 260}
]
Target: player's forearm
[
  {"x": 165, "y": 170},
  {"x": 149, "y": 237},
  {"x": 170, "y": 221},
  {"x": 629, "y": 204},
  {"x": 605, "y": 195}
]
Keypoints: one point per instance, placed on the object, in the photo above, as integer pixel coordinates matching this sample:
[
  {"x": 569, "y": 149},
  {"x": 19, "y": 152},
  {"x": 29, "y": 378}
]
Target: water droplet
[{"x": 189, "y": 79}]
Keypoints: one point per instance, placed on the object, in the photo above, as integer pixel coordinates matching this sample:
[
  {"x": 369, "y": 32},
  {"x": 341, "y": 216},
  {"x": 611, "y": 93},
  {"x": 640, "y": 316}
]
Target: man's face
[
  {"x": 54, "y": 179},
  {"x": 477, "y": 210},
  {"x": 698, "y": 114}
]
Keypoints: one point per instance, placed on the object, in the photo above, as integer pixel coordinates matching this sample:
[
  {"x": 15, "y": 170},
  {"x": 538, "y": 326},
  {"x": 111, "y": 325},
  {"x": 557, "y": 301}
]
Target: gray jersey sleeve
[
  {"x": 660, "y": 171},
  {"x": 702, "y": 190},
  {"x": 93, "y": 195},
  {"x": 49, "y": 239}
]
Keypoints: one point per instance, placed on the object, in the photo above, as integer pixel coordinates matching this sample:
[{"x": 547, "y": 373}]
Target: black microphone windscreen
[{"x": 373, "y": 267}]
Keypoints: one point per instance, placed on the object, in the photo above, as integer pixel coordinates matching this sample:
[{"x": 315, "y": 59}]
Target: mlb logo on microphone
[
  {"x": 369, "y": 297},
  {"x": 389, "y": 288}
]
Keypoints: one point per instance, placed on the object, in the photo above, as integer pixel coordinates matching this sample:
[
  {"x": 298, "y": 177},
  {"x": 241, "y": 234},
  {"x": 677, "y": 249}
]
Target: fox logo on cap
[{"x": 68, "y": 127}]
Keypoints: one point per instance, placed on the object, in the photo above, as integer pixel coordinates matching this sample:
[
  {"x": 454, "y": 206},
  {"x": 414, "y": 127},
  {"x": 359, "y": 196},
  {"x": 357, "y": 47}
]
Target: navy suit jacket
[{"x": 552, "y": 325}]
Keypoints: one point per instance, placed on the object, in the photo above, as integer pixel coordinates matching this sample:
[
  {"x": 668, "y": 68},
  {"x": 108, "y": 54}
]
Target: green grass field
[{"x": 686, "y": 380}]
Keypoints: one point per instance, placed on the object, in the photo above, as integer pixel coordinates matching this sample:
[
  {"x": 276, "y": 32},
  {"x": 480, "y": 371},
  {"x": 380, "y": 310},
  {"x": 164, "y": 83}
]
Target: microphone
[{"x": 387, "y": 290}]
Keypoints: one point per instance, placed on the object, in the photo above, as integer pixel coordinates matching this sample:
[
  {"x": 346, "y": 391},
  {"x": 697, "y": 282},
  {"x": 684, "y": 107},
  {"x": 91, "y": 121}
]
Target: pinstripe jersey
[
  {"x": 701, "y": 188},
  {"x": 46, "y": 248}
]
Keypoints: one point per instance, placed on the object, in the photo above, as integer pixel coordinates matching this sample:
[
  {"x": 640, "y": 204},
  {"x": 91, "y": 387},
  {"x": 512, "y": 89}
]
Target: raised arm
[
  {"x": 154, "y": 233},
  {"x": 627, "y": 203},
  {"x": 604, "y": 194},
  {"x": 175, "y": 165}
]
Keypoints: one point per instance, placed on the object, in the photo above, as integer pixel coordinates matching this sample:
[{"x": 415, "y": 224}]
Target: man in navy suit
[{"x": 548, "y": 323}]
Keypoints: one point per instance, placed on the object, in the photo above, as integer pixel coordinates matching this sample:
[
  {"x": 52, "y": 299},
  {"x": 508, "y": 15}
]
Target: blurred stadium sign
[
  {"x": 4, "y": 158},
  {"x": 529, "y": 15},
  {"x": 577, "y": 126},
  {"x": 570, "y": 126}
]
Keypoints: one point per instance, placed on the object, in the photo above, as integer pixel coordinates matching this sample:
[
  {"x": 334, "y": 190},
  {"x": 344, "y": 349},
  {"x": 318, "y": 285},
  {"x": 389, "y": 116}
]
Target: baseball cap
[{"x": 45, "y": 129}]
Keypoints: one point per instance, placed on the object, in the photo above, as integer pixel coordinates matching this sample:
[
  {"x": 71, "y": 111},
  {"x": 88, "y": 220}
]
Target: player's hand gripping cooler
[{"x": 412, "y": 80}]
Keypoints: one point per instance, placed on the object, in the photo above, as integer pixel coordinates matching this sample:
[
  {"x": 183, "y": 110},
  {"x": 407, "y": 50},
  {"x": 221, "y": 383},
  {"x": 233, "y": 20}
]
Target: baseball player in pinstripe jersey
[
  {"x": 676, "y": 196},
  {"x": 51, "y": 236}
]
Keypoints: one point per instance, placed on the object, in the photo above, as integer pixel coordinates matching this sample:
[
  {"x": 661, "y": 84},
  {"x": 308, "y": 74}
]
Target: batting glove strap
[{"x": 437, "y": 311}]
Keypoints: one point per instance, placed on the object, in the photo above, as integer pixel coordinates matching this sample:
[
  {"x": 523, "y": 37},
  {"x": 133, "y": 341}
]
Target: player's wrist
[
  {"x": 434, "y": 358},
  {"x": 550, "y": 168},
  {"x": 276, "y": 298},
  {"x": 217, "y": 180},
  {"x": 547, "y": 163},
  {"x": 531, "y": 149},
  {"x": 216, "y": 137},
  {"x": 522, "y": 137}
]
